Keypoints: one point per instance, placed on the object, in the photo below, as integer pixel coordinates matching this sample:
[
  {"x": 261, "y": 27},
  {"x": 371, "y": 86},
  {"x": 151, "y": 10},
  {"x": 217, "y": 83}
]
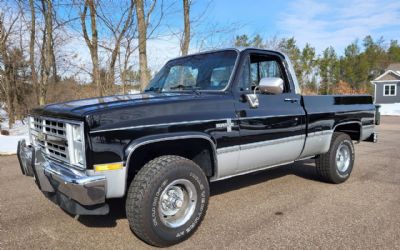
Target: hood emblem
[{"x": 41, "y": 136}]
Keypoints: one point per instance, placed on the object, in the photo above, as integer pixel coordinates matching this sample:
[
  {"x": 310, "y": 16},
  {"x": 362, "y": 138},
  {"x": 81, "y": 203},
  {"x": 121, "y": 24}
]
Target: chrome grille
[
  {"x": 50, "y": 127},
  {"x": 54, "y": 137}
]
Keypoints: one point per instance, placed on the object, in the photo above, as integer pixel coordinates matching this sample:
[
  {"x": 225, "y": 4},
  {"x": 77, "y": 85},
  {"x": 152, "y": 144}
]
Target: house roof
[{"x": 392, "y": 73}]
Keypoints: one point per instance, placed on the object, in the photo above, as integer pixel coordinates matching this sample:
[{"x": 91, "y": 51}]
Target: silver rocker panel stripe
[{"x": 231, "y": 162}]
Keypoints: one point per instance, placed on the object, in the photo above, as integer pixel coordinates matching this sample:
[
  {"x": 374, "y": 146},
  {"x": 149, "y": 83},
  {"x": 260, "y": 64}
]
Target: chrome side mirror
[
  {"x": 252, "y": 99},
  {"x": 272, "y": 85}
]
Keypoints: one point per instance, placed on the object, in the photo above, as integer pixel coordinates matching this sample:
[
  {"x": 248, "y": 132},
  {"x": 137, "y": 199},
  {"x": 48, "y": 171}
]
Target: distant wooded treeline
[{"x": 329, "y": 73}]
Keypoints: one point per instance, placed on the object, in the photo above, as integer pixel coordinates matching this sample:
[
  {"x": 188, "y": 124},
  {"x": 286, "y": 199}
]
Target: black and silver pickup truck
[{"x": 203, "y": 118}]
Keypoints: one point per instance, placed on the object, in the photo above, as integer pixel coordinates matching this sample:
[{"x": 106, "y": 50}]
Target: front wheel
[
  {"x": 336, "y": 165},
  {"x": 167, "y": 200}
]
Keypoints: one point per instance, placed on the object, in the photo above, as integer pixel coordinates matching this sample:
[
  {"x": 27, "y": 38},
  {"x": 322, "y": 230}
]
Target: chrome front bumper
[{"x": 72, "y": 190}]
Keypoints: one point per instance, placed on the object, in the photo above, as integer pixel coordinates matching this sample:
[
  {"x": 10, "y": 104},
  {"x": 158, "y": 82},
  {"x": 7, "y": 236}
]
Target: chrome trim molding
[
  {"x": 267, "y": 116},
  {"x": 159, "y": 124},
  {"x": 189, "y": 122},
  {"x": 228, "y": 149},
  {"x": 130, "y": 149}
]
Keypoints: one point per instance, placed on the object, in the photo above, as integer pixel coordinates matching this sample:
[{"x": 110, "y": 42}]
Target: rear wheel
[
  {"x": 167, "y": 200},
  {"x": 336, "y": 165}
]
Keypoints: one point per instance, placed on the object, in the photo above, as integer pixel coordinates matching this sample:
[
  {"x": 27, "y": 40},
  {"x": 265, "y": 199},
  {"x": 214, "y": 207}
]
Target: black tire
[
  {"x": 327, "y": 165},
  {"x": 144, "y": 206}
]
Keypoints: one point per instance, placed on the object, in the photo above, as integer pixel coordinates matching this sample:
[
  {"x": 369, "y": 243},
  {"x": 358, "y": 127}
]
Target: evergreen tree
[
  {"x": 376, "y": 57},
  {"x": 353, "y": 67},
  {"x": 257, "y": 42},
  {"x": 307, "y": 65},
  {"x": 328, "y": 70},
  {"x": 242, "y": 41},
  {"x": 394, "y": 51},
  {"x": 289, "y": 47}
]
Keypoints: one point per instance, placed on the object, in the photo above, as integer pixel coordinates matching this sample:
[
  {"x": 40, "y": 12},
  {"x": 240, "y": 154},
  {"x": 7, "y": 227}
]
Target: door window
[{"x": 257, "y": 67}]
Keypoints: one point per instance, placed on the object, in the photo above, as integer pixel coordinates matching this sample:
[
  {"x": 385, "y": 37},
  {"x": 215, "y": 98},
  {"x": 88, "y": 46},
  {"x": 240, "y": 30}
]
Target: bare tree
[
  {"x": 93, "y": 42},
  {"x": 185, "y": 40},
  {"x": 143, "y": 23},
  {"x": 32, "y": 48},
  {"x": 129, "y": 48},
  {"x": 209, "y": 35},
  {"x": 47, "y": 53},
  {"x": 118, "y": 33},
  {"x": 7, "y": 81}
]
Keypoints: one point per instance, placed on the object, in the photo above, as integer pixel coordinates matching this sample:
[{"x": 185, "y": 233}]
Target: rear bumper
[{"x": 72, "y": 190}]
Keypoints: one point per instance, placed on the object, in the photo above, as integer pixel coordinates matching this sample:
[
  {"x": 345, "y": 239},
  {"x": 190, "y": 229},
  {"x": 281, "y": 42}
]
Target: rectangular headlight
[
  {"x": 76, "y": 144},
  {"x": 76, "y": 132}
]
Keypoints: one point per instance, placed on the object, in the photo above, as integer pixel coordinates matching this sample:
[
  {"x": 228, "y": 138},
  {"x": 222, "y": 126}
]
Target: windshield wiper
[
  {"x": 194, "y": 89},
  {"x": 153, "y": 89}
]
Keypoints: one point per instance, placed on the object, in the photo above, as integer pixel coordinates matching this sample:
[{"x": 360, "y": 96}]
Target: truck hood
[{"x": 81, "y": 109}]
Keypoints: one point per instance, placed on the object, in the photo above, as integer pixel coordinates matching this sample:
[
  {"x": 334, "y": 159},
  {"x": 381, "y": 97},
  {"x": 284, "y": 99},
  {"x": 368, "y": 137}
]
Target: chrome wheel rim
[
  {"x": 343, "y": 157},
  {"x": 177, "y": 203}
]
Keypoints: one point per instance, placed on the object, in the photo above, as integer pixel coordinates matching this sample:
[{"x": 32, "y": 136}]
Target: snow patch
[
  {"x": 9, "y": 143},
  {"x": 390, "y": 109}
]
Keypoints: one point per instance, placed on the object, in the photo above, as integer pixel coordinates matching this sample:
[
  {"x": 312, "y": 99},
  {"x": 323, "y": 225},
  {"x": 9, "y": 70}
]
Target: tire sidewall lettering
[
  {"x": 200, "y": 208},
  {"x": 196, "y": 217},
  {"x": 154, "y": 205}
]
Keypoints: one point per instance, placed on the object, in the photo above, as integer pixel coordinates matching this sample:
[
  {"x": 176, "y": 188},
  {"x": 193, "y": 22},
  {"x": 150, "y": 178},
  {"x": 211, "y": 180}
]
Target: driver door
[{"x": 272, "y": 133}]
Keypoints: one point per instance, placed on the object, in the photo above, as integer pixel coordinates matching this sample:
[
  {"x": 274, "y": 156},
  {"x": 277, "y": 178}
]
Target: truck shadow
[{"x": 303, "y": 169}]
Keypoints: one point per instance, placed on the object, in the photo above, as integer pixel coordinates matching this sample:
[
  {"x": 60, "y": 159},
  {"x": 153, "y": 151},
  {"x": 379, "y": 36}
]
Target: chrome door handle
[{"x": 291, "y": 100}]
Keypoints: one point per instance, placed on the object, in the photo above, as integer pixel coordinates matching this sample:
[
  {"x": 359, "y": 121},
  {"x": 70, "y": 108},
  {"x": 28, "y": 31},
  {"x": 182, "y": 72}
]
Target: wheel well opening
[
  {"x": 352, "y": 129},
  {"x": 198, "y": 150}
]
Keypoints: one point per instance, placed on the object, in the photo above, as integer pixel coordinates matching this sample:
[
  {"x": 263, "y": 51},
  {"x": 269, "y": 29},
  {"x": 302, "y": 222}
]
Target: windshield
[{"x": 210, "y": 71}]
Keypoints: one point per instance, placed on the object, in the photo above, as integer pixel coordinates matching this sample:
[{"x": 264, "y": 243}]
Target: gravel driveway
[{"x": 285, "y": 207}]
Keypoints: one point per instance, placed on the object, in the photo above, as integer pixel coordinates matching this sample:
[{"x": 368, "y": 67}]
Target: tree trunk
[
  {"x": 8, "y": 82},
  {"x": 53, "y": 61},
  {"x": 142, "y": 29},
  {"x": 10, "y": 107},
  {"x": 186, "y": 33},
  {"x": 47, "y": 51},
  {"x": 93, "y": 42},
  {"x": 123, "y": 79},
  {"x": 9, "y": 87},
  {"x": 94, "y": 49},
  {"x": 96, "y": 72},
  {"x": 42, "y": 68},
  {"x": 32, "y": 51}
]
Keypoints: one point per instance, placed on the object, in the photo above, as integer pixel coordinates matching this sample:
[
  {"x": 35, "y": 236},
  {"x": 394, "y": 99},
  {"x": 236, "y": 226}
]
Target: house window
[{"x": 390, "y": 89}]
